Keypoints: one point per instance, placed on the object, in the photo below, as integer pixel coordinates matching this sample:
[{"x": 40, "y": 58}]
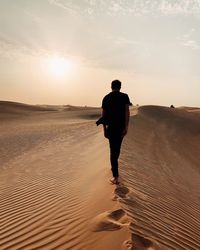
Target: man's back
[{"x": 114, "y": 105}]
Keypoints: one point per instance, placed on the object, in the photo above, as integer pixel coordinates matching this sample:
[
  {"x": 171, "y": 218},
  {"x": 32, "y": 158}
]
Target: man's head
[{"x": 116, "y": 85}]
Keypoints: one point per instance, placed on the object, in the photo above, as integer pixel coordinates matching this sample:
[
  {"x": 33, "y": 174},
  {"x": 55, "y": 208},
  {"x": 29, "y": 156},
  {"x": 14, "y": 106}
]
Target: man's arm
[
  {"x": 104, "y": 125},
  {"x": 127, "y": 115}
]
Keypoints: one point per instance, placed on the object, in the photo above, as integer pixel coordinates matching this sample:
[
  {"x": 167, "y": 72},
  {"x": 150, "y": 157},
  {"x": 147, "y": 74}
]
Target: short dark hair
[{"x": 116, "y": 84}]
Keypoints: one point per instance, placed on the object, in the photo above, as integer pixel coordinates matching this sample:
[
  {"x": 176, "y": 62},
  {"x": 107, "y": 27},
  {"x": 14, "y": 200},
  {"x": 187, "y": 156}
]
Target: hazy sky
[{"x": 152, "y": 46}]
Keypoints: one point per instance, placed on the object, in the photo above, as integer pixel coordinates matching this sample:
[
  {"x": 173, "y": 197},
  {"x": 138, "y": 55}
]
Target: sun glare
[{"x": 58, "y": 66}]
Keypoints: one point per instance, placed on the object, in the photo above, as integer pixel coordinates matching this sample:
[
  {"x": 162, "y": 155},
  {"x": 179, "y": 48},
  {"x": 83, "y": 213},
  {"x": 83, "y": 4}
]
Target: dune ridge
[{"x": 160, "y": 167}]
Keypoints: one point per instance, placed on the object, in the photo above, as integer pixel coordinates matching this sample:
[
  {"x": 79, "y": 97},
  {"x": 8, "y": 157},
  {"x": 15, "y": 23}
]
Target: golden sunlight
[{"x": 58, "y": 66}]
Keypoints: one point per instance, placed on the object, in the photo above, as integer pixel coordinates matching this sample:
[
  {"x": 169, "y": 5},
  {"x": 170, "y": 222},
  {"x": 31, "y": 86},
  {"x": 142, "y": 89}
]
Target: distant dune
[
  {"x": 13, "y": 110},
  {"x": 8, "y": 106},
  {"x": 11, "y": 107},
  {"x": 54, "y": 188}
]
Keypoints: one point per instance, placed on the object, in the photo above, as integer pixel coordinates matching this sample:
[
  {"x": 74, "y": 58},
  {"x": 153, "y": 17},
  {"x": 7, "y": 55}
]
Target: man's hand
[
  {"x": 105, "y": 130},
  {"x": 125, "y": 131},
  {"x": 127, "y": 115},
  {"x": 106, "y": 133}
]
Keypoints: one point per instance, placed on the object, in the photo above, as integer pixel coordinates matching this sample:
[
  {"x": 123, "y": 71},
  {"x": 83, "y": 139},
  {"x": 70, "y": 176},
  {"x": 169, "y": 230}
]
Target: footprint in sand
[
  {"x": 109, "y": 221},
  {"x": 122, "y": 192}
]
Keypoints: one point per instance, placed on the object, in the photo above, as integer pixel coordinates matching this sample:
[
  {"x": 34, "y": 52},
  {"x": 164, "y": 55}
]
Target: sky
[{"x": 152, "y": 46}]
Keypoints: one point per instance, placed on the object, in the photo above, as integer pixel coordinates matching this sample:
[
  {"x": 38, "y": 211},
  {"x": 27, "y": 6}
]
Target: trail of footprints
[{"x": 117, "y": 219}]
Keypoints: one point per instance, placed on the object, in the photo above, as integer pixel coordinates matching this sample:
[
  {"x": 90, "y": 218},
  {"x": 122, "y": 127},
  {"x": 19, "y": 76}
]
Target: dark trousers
[{"x": 115, "y": 141}]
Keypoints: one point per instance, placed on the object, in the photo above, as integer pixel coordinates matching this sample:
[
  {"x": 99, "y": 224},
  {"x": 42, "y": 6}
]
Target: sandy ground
[
  {"x": 54, "y": 171},
  {"x": 54, "y": 187},
  {"x": 161, "y": 176}
]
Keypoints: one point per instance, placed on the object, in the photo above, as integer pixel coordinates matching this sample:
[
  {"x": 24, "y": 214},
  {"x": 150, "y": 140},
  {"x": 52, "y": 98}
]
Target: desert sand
[{"x": 54, "y": 172}]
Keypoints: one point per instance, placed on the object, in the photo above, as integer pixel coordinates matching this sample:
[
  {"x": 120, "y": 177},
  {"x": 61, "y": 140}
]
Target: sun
[{"x": 58, "y": 66}]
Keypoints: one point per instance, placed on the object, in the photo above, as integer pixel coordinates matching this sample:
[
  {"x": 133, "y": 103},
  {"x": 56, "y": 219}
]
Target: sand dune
[
  {"x": 13, "y": 110},
  {"x": 54, "y": 189},
  {"x": 161, "y": 173},
  {"x": 54, "y": 176},
  {"x": 15, "y": 107}
]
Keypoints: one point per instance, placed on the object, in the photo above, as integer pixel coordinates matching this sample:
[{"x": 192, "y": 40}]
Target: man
[{"x": 115, "y": 111}]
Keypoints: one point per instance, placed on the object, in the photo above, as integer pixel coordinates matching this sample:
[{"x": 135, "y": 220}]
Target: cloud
[
  {"x": 33, "y": 16},
  {"x": 194, "y": 45},
  {"x": 66, "y": 5},
  {"x": 18, "y": 52},
  {"x": 180, "y": 7},
  {"x": 124, "y": 7},
  {"x": 190, "y": 40},
  {"x": 14, "y": 50}
]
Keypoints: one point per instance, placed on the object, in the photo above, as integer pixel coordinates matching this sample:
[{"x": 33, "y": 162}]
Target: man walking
[{"x": 115, "y": 111}]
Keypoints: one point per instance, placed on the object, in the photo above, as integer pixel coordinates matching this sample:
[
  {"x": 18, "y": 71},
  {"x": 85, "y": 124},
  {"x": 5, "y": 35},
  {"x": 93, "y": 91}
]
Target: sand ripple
[
  {"x": 43, "y": 202},
  {"x": 161, "y": 172}
]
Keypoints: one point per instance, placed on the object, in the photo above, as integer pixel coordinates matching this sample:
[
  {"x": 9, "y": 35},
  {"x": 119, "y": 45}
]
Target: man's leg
[{"x": 115, "y": 145}]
